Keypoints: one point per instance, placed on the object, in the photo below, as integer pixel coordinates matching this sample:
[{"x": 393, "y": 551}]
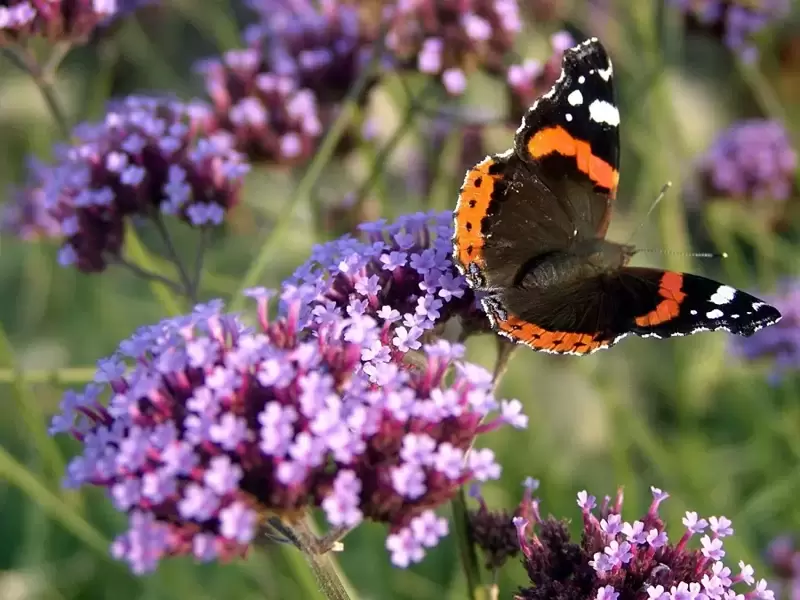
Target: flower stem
[
  {"x": 320, "y": 561},
  {"x": 43, "y": 76},
  {"x": 466, "y": 549},
  {"x": 189, "y": 289},
  {"x": 146, "y": 275}
]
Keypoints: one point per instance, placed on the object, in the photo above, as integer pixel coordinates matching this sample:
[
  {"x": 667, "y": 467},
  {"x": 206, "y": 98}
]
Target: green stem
[
  {"x": 324, "y": 567},
  {"x": 172, "y": 254},
  {"x": 466, "y": 549},
  {"x": 66, "y": 376},
  {"x": 43, "y": 76}
]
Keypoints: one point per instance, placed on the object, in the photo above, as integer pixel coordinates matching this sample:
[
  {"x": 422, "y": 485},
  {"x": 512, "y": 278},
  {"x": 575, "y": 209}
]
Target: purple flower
[
  {"x": 56, "y": 20},
  {"x": 405, "y": 293},
  {"x": 754, "y": 159},
  {"x": 735, "y": 23},
  {"x": 270, "y": 116},
  {"x": 450, "y": 38},
  {"x": 493, "y": 531},
  {"x": 780, "y": 343},
  {"x": 211, "y": 424},
  {"x": 148, "y": 156},
  {"x": 628, "y": 561},
  {"x": 325, "y": 48}
]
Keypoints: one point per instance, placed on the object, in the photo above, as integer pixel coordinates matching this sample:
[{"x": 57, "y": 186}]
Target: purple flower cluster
[
  {"x": 210, "y": 424},
  {"x": 780, "y": 343},
  {"x": 280, "y": 93},
  {"x": 401, "y": 279},
  {"x": 148, "y": 157},
  {"x": 323, "y": 48},
  {"x": 735, "y": 21},
  {"x": 493, "y": 531},
  {"x": 269, "y": 116},
  {"x": 752, "y": 159},
  {"x": 784, "y": 558},
  {"x": 530, "y": 79},
  {"x": 450, "y": 38},
  {"x": 620, "y": 560},
  {"x": 61, "y": 20}
]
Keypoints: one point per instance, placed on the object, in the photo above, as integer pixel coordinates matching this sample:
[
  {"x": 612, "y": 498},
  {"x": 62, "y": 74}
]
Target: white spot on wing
[
  {"x": 692, "y": 312},
  {"x": 575, "y": 98},
  {"x": 757, "y": 305},
  {"x": 723, "y": 295},
  {"x": 715, "y": 314},
  {"x": 581, "y": 79},
  {"x": 568, "y": 117},
  {"x": 601, "y": 111},
  {"x": 607, "y": 72}
]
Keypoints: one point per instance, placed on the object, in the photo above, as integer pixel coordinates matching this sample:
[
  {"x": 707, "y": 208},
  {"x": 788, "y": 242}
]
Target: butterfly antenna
[
  {"x": 676, "y": 253},
  {"x": 658, "y": 199}
]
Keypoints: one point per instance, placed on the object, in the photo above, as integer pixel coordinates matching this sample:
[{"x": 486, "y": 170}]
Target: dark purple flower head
[
  {"x": 621, "y": 560},
  {"x": 493, "y": 531},
  {"x": 209, "y": 424},
  {"x": 325, "y": 48},
  {"x": 784, "y": 560},
  {"x": 450, "y": 38},
  {"x": 271, "y": 116},
  {"x": 56, "y": 20},
  {"x": 736, "y": 22},
  {"x": 753, "y": 159},
  {"x": 532, "y": 78},
  {"x": 780, "y": 343},
  {"x": 400, "y": 278},
  {"x": 148, "y": 156}
]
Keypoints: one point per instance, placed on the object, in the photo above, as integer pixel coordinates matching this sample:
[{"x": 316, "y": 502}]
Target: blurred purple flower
[
  {"x": 26, "y": 215},
  {"x": 270, "y": 116},
  {"x": 148, "y": 156},
  {"x": 780, "y": 343},
  {"x": 752, "y": 159},
  {"x": 400, "y": 278},
  {"x": 530, "y": 79},
  {"x": 56, "y": 20},
  {"x": 617, "y": 559},
  {"x": 735, "y": 22},
  {"x": 210, "y": 424},
  {"x": 450, "y": 38},
  {"x": 325, "y": 48},
  {"x": 784, "y": 560}
]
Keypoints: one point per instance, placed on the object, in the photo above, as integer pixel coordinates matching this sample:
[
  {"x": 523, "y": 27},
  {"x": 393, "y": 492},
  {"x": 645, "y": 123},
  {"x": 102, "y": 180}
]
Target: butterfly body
[{"x": 530, "y": 227}]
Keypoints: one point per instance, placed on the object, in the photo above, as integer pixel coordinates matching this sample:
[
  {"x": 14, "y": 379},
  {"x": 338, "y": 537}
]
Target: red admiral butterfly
[{"x": 530, "y": 228}]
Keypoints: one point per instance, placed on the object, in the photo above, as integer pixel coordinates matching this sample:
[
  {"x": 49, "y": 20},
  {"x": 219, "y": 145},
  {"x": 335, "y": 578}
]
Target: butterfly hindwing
[{"x": 596, "y": 312}]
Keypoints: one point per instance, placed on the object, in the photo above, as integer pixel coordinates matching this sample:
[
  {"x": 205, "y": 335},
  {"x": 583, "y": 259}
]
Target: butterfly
[{"x": 530, "y": 227}]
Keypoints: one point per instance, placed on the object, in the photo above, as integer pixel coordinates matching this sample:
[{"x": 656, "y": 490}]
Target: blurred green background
[{"x": 681, "y": 414}]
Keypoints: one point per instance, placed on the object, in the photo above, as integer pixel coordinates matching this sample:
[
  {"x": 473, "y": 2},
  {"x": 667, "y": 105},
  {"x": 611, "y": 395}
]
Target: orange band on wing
[
  {"x": 473, "y": 205},
  {"x": 558, "y": 140},
  {"x": 671, "y": 289},
  {"x": 552, "y": 341}
]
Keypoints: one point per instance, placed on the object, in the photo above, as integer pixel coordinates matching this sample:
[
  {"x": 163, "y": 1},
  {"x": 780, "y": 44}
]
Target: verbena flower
[
  {"x": 735, "y": 22},
  {"x": 271, "y": 116},
  {"x": 26, "y": 214},
  {"x": 451, "y": 38},
  {"x": 400, "y": 277},
  {"x": 56, "y": 20},
  {"x": 532, "y": 78},
  {"x": 784, "y": 560},
  {"x": 325, "y": 48},
  {"x": 753, "y": 159},
  {"x": 623, "y": 560},
  {"x": 209, "y": 424},
  {"x": 149, "y": 156},
  {"x": 780, "y": 343},
  {"x": 493, "y": 531}
]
